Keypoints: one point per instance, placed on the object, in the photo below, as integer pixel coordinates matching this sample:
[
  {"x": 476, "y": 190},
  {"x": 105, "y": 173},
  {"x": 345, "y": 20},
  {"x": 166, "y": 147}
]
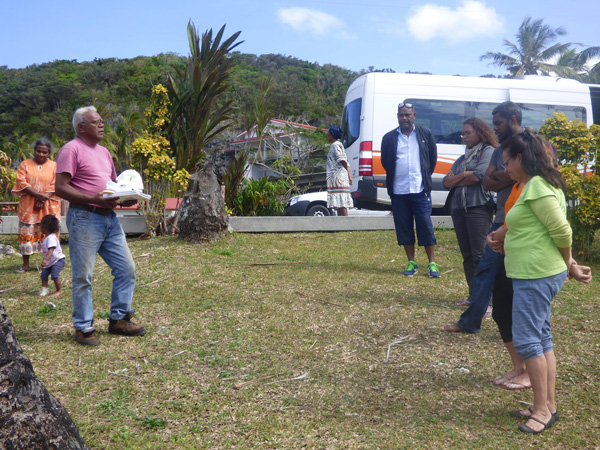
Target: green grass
[{"x": 232, "y": 322}]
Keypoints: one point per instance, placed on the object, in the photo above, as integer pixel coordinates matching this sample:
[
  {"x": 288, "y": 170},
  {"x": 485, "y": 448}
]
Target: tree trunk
[
  {"x": 202, "y": 215},
  {"x": 30, "y": 417}
]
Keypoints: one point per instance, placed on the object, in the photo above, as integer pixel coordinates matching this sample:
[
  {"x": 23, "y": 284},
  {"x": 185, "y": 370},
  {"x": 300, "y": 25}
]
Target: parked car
[
  {"x": 315, "y": 204},
  {"x": 311, "y": 204}
]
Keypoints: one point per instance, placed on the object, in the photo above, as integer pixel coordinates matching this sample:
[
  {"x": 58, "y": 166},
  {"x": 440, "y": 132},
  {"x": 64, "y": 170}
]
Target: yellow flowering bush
[
  {"x": 151, "y": 152},
  {"x": 578, "y": 147}
]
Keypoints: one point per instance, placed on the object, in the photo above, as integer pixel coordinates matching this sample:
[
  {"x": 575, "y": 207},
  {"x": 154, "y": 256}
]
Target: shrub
[
  {"x": 578, "y": 147},
  {"x": 262, "y": 197}
]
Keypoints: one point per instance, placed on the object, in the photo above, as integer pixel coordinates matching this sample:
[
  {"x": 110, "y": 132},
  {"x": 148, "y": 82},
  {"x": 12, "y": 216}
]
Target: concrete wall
[{"x": 134, "y": 224}]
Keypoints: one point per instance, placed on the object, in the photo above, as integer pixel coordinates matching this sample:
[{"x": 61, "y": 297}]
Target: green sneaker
[
  {"x": 434, "y": 270},
  {"x": 411, "y": 269}
]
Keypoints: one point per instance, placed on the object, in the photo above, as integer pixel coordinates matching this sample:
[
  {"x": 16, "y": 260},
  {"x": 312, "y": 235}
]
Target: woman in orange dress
[{"x": 35, "y": 186}]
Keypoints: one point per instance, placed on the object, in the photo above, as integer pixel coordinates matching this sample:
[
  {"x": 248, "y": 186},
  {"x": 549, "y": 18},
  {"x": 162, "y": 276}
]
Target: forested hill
[{"x": 39, "y": 100}]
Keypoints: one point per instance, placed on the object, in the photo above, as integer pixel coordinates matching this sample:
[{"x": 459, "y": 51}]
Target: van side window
[
  {"x": 351, "y": 122},
  {"x": 445, "y": 117}
]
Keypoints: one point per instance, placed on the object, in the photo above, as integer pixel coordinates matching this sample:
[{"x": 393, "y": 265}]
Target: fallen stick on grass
[
  {"x": 304, "y": 376},
  {"x": 277, "y": 264},
  {"x": 156, "y": 281},
  {"x": 256, "y": 380},
  {"x": 122, "y": 375},
  {"x": 398, "y": 341}
]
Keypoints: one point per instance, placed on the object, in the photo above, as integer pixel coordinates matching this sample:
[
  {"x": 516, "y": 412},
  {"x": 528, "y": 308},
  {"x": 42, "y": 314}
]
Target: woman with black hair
[{"x": 537, "y": 242}]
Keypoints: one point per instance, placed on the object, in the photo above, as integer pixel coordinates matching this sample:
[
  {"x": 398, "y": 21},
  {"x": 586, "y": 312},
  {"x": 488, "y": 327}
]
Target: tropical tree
[
  {"x": 19, "y": 148},
  {"x": 581, "y": 64},
  {"x": 535, "y": 47},
  {"x": 199, "y": 114},
  {"x": 129, "y": 126},
  {"x": 261, "y": 115}
]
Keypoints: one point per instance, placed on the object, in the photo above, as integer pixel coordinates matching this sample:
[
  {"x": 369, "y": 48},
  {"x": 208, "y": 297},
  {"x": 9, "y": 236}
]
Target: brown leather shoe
[
  {"x": 125, "y": 327},
  {"x": 87, "y": 337}
]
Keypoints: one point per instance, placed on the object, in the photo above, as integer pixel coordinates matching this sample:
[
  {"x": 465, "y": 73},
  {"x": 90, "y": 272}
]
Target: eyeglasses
[
  {"x": 505, "y": 163},
  {"x": 405, "y": 105},
  {"x": 94, "y": 122}
]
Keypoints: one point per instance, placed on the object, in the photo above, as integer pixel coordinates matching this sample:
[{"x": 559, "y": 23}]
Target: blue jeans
[
  {"x": 531, "y": 314},
  {"x": 90, "y": 234},
  {"x": 483, "y": 286}
]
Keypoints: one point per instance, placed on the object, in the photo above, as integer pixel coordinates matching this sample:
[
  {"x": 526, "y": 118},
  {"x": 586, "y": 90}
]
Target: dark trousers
[
  {"x": 471, "y": 227},
  {"x": 502, "y": 300}
]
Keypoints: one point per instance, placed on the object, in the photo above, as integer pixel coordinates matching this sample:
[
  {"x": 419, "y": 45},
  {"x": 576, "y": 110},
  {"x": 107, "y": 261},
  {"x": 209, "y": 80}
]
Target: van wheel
[{"x": 318, "y": 211}]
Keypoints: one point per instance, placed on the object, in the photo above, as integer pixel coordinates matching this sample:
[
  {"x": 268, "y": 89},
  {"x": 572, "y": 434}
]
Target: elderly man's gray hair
[{"x": 78, "y": 116}]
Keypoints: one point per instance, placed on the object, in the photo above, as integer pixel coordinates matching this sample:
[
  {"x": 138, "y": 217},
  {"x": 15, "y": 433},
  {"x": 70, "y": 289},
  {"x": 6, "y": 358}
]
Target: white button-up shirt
[{"x": 408, "y": 178}]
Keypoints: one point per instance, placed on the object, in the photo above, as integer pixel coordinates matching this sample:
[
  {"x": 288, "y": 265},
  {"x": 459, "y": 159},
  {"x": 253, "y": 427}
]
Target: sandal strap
[{"x": 539, "y": 421}]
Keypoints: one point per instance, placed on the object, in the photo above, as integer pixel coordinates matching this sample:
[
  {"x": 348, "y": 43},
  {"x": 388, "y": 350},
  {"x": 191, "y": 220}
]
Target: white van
[{"x": 442, "y": 103}]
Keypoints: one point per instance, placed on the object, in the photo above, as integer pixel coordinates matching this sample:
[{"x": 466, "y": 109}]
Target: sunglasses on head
[{"x": 405, "y": 105}]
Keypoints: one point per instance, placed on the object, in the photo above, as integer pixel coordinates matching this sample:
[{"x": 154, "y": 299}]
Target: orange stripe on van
[
  {"x": 441, "y": 167},
  {"x": 377, "y": 167}
]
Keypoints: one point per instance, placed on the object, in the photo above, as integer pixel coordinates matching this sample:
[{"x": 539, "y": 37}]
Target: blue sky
[{"x": 438, "y": 36}]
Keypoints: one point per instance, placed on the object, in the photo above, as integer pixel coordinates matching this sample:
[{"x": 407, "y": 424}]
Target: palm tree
[
  {"x": 129, "y": 126},
  {"x": 536, "y": 46},
  {"x": 580, "y": 64},
  {"x": 20, "y": 148},
  {"x": 593, "y": 73}
]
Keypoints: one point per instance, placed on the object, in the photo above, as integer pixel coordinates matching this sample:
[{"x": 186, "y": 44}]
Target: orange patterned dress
[{"x": 40, "y": 177}]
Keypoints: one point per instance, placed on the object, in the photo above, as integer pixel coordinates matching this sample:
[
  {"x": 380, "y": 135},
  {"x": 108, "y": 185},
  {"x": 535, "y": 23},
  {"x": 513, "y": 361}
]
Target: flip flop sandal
[
  {"x": 499, "y": 380},
  {"x": 21, "y": 270},
  {"x": 512, "y": 386},
  {"x": 463, "y": 303}
]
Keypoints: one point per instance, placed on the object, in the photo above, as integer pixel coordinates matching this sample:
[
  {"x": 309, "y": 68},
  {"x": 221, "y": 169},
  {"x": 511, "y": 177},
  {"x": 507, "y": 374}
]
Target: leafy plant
[
  {"x": 263, "y": 197},
  {"x": 152, "y": 422},
  {"x": 578, "y": 147},
  {"x": 7, "y": 175},
  {"x": 48, "y": 310},
  {"x": 233, "y": 178},
  {"x": 198, "y": 114}
]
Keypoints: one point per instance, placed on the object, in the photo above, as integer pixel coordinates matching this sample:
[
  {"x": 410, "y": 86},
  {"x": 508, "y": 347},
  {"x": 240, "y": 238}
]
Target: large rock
[
  {"x": 30, "y": 417},
  {"x": 6, "y": 250},
  {"x": 202, "y": 215}
]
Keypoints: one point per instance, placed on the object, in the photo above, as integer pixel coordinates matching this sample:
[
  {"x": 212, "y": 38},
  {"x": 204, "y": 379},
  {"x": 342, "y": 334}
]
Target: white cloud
[
  {"x": 314, "y": 21},
  {"x": 470, "y": 20}
]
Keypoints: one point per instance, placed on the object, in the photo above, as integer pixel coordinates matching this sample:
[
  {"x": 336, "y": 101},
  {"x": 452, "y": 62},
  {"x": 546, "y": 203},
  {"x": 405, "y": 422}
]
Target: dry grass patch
[{"x": 281, "y": 341}]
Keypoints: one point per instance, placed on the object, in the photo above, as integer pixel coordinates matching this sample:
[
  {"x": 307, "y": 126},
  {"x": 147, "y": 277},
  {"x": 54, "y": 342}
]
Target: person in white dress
[{"x": 338, "y": 174}]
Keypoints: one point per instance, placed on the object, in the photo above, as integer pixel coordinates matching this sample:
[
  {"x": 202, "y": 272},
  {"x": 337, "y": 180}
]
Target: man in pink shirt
[{"x": 82, "y": 170}]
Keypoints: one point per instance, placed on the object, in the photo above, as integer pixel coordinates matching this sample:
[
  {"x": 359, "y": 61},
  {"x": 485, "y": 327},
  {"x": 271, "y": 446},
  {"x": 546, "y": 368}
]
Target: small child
[{"x": 54, "y": 258}]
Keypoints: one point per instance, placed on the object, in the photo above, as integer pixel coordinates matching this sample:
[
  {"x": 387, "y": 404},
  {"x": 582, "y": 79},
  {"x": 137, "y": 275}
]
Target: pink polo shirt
[{"x": 90, "y": 167}]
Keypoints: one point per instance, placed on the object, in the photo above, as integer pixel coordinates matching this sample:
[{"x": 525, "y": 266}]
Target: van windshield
[
  {"x": 351, "y": 122},
  {"x": 445, "y": 117}
]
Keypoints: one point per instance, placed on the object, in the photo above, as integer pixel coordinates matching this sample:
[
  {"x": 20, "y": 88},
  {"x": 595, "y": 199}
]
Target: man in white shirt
[{"x": 409, "y": 156}]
